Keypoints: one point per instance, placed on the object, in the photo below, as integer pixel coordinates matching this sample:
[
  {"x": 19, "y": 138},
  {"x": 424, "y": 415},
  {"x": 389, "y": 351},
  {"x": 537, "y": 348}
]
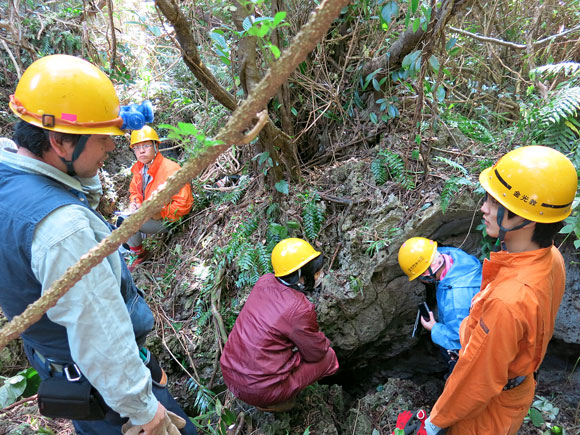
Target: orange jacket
[
  {"x": 160, "y": 170},
  {"x": 505, "y": 335}
]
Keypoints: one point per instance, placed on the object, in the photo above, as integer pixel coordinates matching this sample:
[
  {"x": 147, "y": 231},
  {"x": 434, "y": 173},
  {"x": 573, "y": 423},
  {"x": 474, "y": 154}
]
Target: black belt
[
  {"x": 70, "y": 370},
  {"x": 514, "y": 382}
]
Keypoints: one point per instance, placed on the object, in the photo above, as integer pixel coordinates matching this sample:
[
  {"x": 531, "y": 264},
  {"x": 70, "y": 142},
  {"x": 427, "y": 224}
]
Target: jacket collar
[
  {"x": 153, "y": 167},
  {"x": 516, "y": 260},
  {"x": 519, "y": 258}
]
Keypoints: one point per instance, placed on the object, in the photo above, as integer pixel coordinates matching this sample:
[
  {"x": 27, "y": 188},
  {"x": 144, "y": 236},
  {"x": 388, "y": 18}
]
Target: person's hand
[
  {"x": 154, "y": 427},
  {"x": 134, "y": 206},
  {"x": 173, "y": 423},
  {"x": 157, "y": 216},
  {"x": 164, "y": 423},
  {"x": 431, "y": 429},
  {"x": 428, "y": 325}
]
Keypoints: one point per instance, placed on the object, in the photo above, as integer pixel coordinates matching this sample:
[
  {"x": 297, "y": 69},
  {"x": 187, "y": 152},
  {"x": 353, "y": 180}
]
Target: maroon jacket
[{"x": 275, "y": 320}]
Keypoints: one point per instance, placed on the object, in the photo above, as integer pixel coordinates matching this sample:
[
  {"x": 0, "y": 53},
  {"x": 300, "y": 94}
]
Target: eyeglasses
[{"x": 142, "y": 147}]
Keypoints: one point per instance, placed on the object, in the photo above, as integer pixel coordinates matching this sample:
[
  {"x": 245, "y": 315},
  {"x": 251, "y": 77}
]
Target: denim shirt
[{"x": 97, "y": 321}]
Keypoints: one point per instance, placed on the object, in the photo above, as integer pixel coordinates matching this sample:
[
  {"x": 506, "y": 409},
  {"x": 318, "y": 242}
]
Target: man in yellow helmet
[
  {"x": 503, "y": 340},
  {"x": 150, "y": 172},
  {"x": 456, "y": 276},
  {"x": 275, "y": 349},
  {"x": 86, "y": 347}
]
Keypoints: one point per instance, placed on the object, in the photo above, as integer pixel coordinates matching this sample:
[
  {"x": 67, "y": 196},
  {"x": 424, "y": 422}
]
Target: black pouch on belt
[{"x": 60, "y": 398}]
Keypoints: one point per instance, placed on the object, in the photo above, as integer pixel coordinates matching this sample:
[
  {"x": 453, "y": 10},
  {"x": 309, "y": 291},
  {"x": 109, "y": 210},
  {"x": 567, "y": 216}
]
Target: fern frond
[
  {"x": 263, "y": 258},
  {"x": 568, "y": 68},
  {"x": 379, "y": 172},
  {"x": 453, "y": 164},
  {"x": 395, "y": 165},
  {"x": 564, "y": 106},
  {"x": 312, "y": 215},
  {"x": 450, "y": 188}
]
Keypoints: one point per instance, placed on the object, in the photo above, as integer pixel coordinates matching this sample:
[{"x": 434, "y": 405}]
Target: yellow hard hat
[
  {"x": 69, "y": 95},
  {"x": 289, "y": 255},
  {"x": 416, "y": 255},
  {"x": 145, "y": 134},
  {"x": 537, "y": 183}
]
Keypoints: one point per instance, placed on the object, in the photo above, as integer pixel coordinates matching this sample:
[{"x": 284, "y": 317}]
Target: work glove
[
  {"x": 431, "y": 429},
  {"x": 171, "y": 425}
]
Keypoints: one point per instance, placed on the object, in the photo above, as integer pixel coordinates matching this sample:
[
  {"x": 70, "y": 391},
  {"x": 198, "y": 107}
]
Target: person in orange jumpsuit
[
  {"x": 504, "y": 339},
  {"x": 150, "y": 172}
]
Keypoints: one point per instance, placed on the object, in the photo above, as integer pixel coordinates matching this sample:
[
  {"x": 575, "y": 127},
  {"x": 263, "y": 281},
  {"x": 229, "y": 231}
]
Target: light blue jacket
[{"x": 454, "y": 294}]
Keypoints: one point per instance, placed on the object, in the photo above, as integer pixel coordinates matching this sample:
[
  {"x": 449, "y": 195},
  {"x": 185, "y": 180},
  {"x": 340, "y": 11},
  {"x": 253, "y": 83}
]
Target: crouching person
[
  {"x": 275, "y": 349},
  {"x": 150, "y": 173}
]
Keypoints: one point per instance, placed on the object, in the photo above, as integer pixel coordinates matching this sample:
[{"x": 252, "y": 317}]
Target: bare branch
[
  {"x": 513, "y": 45},
  {"x": 11, "y": 58}
]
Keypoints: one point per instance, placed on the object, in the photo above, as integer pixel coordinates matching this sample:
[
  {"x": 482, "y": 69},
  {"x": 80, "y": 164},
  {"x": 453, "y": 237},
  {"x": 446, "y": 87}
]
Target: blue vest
[{"x": 26, "y": 199}]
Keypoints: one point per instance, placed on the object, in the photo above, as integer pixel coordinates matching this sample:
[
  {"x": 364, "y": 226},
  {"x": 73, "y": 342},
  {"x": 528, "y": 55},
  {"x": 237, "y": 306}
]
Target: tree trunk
[{"x": 249, "y": 76}]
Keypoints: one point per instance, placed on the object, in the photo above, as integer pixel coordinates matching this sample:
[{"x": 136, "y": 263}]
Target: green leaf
[
  {"x": 389, "y": 10},
  {"x": 228, "y": 417},
  {"x": 434, "y": 62},
  {"x": 411, "y": 59},
  {"x": 414, "y": 5},
  {"x": 11, "y": 390},
  {"x": 293, "y": 225},
  {"x": 275, "y": 51},
  {"x": 32, "y": 382},
  {"x": 440, "y": 93},
  {"x": 449, "y": 45},
  {"x": 416, "y": 24},
  {"x": 218, "y": 39},
  {"x": 187, "y": 128},
  {"x": 374, "y": 119},
  {"x": 393, "y": 111},
  {"x": 282, "y": 187},
  {"x": 278, "y": 18},
  {"x": 454, "y": 51},
  {"x": 262, "y": 157},
  {"x": 536, "y": 417},
  {"x": 247, "y": 23}
]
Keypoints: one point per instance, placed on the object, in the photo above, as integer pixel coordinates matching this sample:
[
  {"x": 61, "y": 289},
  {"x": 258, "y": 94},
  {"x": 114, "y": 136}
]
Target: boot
[{"x": 139, "y": 255}]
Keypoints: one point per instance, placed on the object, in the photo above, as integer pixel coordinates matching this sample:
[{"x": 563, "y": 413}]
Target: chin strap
[
  {"x": 79, "y": 148},
  {"x": 432, "y": 278},
  {"x": 502, "y": 230},
  {"x": 294, "y": 285}
]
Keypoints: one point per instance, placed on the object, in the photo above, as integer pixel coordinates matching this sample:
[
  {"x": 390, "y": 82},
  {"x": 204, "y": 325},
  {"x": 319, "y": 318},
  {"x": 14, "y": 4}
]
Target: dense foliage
[{"x": 392, "y": 80}]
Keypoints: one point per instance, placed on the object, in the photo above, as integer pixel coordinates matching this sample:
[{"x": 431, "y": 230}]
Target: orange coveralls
[
  {"x": 505, "y": 335},
  {"x": 160, "y": 170}
]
